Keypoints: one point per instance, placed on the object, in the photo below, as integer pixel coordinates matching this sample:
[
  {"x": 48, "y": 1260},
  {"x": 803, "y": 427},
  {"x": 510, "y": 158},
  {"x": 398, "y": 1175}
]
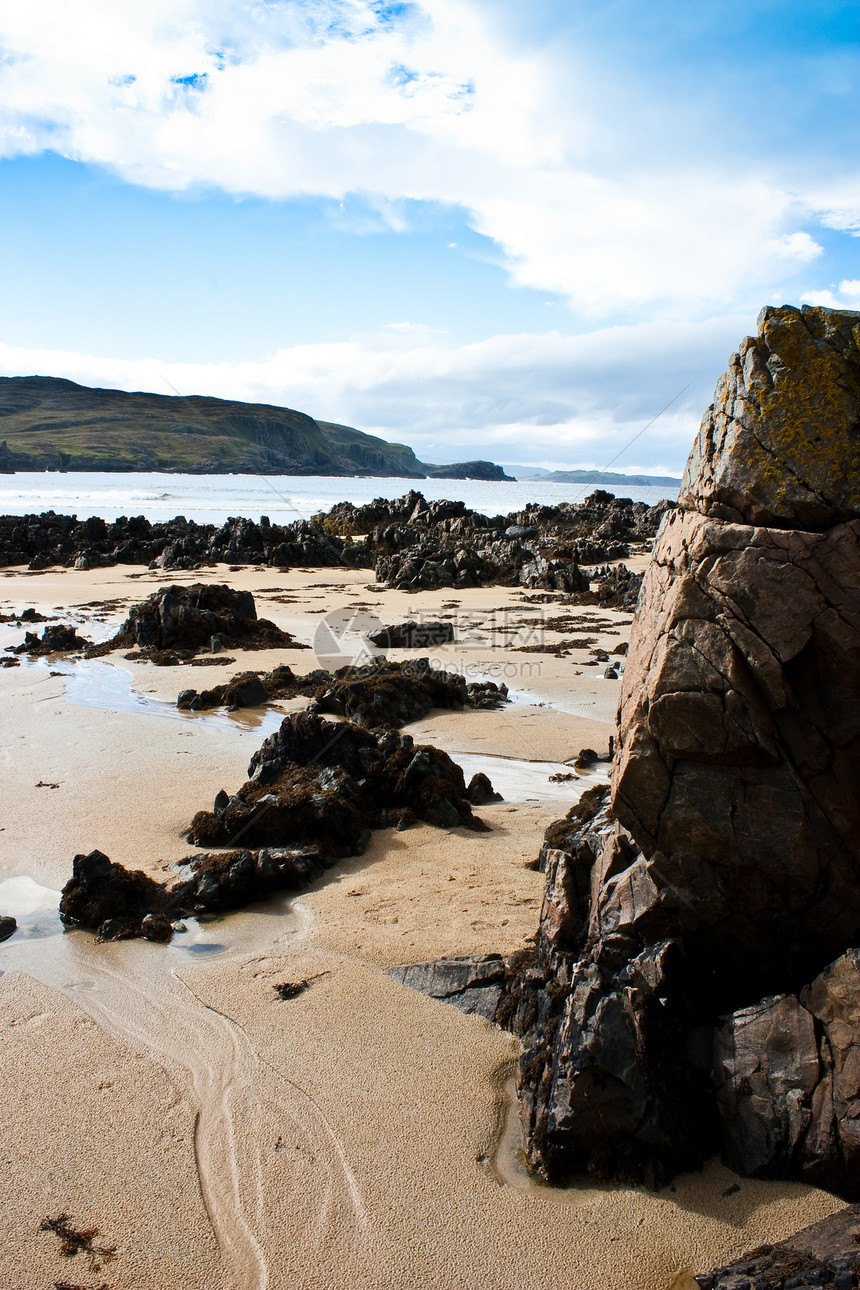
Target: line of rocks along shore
[{"x": 410, "y": 543}]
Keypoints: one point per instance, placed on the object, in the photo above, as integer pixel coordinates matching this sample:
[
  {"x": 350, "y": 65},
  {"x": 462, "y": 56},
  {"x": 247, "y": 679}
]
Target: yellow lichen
[{"x": 809, "y": 419}]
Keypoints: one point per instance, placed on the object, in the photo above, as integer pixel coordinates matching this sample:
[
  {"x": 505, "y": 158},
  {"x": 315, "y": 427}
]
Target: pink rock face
[
  {"x": 739, "y": 733},
  {"x": 727, "y": 876}
]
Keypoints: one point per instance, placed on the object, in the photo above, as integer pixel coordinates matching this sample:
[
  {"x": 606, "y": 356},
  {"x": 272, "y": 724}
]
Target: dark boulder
[
  {"x": 186, "y": 618},
  {"x": 825, "y": 1254},
  {"x": 110, "y": 899},
  {"x": 8, "y": 925},
  {"x": 316, "y": 781},
  {"x": 412, "y": 635},
  {"x": 55, "y": 639},
  {"x": 474, "y": 985}
]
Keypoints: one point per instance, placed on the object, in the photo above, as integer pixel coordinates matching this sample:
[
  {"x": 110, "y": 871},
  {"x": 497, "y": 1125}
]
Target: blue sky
[{"x": 478, "y": 227}]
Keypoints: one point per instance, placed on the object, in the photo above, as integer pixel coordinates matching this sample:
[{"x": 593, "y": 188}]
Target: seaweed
[
  {"x": 292, "y": 989},
  {"x": 73, "y": 1241}
]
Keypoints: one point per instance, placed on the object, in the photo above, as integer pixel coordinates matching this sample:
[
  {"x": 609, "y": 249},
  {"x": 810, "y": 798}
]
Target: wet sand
[{"x": 357, "y": 1135}]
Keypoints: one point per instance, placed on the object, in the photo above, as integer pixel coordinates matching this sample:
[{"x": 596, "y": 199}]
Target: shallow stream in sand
[{"x": 137, "y": 992}]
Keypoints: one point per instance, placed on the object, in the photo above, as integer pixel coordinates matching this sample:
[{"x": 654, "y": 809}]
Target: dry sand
[{"x": 352, "y": 1138}]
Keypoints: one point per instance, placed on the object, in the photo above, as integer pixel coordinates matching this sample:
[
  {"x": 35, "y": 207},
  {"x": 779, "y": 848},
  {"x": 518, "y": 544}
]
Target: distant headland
[{"x": 47, "y": 423}]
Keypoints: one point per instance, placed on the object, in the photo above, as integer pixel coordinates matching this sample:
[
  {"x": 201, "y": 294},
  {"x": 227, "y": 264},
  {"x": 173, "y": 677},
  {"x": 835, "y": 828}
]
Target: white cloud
[
  {"x": 532, "y": 397},
  {"x": 329, "y": 97},
  {"x": 848, "y": 295}
]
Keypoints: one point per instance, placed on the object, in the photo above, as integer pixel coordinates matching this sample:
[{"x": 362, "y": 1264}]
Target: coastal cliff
[
  {"x": 52, "y": 424},
  {"x": 695, "y": 984}
]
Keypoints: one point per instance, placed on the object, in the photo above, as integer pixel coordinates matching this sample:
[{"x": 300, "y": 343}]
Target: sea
[{"x": 211, "y": 499}]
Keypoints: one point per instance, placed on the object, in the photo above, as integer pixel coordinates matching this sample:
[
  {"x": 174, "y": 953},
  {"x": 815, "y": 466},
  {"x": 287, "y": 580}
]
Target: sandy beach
[{"x": 359, "y": 1135}]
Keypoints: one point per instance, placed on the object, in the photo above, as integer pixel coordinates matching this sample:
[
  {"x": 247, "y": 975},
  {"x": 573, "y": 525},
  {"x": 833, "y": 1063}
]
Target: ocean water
[{"x": 213, "y": 498}]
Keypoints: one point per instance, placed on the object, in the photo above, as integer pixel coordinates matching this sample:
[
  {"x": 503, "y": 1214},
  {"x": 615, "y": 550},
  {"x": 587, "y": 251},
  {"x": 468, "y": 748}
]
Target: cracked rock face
[
  {"x": 739, "y": 739},
  {"x": 666, "y": 1010},
  {"x": 788, "y": 1071}
]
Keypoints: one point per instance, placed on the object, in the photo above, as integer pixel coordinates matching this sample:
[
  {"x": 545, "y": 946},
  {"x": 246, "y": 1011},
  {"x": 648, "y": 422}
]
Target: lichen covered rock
[{"x": 780, "y": 444}]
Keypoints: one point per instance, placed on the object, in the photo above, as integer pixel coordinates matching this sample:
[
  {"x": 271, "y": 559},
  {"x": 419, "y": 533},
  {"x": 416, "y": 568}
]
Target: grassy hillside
[{"x": 48, "y": 423}]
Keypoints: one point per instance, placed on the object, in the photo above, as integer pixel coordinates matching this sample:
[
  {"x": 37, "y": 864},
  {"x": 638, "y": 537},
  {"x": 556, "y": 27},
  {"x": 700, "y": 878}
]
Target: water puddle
[
  {"x": 35, "y": 908},
  {"x": 91, "y": 683},
  {"x": 508, "y": 1161},
  {"x": 529, "y": 781}
]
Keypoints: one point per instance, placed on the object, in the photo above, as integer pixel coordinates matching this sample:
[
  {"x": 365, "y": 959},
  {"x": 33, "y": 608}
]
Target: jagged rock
[
  {"x": 480, "y": 791},
  {"x": 787, "y": 1082},
  {"x": 779, "y": 444},
  {"x": 247, "y": 690},
  {"x": 552, "y": 575},
  {"x": 391, "y": 695},
  {"x": 316, "y": 791},
  {"x": 474, "y": 985},
  {"x": 739, "y": 737},
  {"x": 314, "y": 780},
  {"x": 187, "y": 617},
  {"x": 58, "y": 639},
  {"x": 825, "y": 1254},
  {"x": 8, "y": 925},
  {"x": 727, "y": 874},
  {"x": 383, "y": 695},
  {"x": 412, "y": 635},
  {"x": 108, "y": 898}
]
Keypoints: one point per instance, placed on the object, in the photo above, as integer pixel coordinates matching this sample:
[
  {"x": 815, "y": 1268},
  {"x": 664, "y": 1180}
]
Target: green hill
[{"x": 48, "y": 423}]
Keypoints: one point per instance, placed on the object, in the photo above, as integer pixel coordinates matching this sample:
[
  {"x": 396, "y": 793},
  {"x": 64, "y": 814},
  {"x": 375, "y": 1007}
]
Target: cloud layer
[
  {"x": 546, "y": 398},
  {"x": 432, "y": 103}
]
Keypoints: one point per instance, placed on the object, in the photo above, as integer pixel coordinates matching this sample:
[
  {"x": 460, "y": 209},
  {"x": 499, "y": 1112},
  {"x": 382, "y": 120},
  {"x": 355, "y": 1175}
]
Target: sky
[{"x": 482, "y": 228}]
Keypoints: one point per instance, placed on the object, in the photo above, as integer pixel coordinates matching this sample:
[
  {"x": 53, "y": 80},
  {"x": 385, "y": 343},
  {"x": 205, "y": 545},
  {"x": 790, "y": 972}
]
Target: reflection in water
[
  {"x": 34, "y": 907},
  {"x": 92, "y": 683}
]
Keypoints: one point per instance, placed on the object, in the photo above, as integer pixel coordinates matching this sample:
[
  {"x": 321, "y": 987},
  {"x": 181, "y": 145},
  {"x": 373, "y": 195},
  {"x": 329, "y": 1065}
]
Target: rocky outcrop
[
  {"x": 331, "y": 783},
  {"x": 8, "y": 925},
  {"x": 410, "y": 542},
  {"x": 382, "y": 695},
  {"x": 188, "y": 618},
  {"x": 56, "y": 639},
  {"x": 412, "y": 635},
  {"x": 486, "y": 470},
  {"x": 825, "y": 1254},
  {"x": 724, "y": 880},
  {"x": 316, "y": 791},
  {"x": 49, "y": 539},
  {"x": 786, "y": 1071},
  {"x": 778, "y": 447},
  {"x": 113, "y": 901}
]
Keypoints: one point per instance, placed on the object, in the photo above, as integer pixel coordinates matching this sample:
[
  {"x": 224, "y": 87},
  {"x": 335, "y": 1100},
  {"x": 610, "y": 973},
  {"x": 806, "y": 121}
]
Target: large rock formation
[{"x": 726, "y": 875}]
